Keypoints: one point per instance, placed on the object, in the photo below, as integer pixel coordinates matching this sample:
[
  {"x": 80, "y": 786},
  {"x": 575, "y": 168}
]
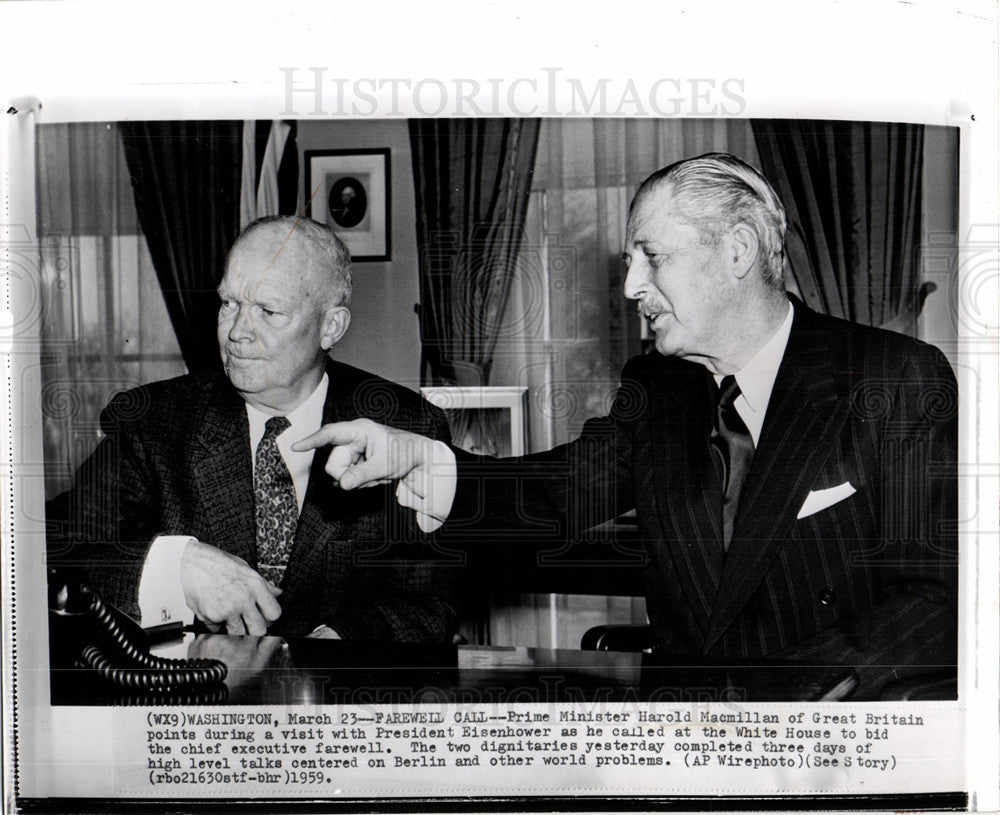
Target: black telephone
[{"x": 85, "y": 632}]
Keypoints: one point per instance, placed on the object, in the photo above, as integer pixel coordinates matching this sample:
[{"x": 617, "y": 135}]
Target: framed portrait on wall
[
  {"x": 349, "y": 191},
  {"x": 485, "y": 421}
]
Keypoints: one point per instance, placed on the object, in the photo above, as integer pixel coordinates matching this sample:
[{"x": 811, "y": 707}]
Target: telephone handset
[{"x": 86, "y": 632}]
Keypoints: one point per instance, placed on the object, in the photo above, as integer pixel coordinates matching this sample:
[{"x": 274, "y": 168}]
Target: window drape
[
  {"x": 186, "y": 178},
  {"x": 472, "y": 178},
  {"x": 852, "y": 193},
  {"x": 105, "y": 327}
]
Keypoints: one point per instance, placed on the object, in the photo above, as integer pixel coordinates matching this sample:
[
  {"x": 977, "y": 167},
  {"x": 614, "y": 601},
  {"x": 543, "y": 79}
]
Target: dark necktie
[
  {"x": 734, "y": 444},
  {"x": 276, "y": 509}
]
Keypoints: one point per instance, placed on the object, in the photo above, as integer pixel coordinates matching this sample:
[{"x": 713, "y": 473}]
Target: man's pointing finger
[{"x": 338, "y": 433}]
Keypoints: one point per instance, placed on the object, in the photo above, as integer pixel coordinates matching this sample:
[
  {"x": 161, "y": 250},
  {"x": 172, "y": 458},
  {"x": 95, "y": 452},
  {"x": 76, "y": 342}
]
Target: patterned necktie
[
  {"x": 734, "y": 446},
  {"x": 276, "y": 508}
]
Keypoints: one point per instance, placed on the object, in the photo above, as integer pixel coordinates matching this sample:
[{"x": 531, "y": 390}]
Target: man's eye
[
  {"x": 267, "y": 312},
  {"x": 225, "y": 302}
]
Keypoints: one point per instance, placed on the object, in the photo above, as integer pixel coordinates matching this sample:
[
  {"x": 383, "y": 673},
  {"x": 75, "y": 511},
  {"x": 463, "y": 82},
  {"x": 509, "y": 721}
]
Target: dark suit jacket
[
  {"x": 177, "y": 460},
  {"x": 870, "y": 581}
]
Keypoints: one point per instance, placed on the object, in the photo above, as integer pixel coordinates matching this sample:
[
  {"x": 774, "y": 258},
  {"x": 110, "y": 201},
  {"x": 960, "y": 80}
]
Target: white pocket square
[{"x": 821, "y": 499}]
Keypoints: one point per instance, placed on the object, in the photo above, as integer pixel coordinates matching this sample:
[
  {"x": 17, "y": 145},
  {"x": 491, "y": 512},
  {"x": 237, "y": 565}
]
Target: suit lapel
[
  {"x": 222, "y": 471},
  {"x": 801, "y": 425},
  {"x": 686, "y": 489},
  {"x": 318, "y": 522}
]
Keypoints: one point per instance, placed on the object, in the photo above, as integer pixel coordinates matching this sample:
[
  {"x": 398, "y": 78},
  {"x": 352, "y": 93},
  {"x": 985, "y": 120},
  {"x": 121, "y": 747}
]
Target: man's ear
[
  {"x": 336, "y": 320},
  {"x": 745, "y": 246}
]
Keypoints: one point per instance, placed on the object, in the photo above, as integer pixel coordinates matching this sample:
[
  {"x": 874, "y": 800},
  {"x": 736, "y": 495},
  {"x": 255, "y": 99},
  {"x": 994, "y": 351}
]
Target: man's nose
[
  {"x": 242, "y": 327},
  {"x": 636, "y": 279}
]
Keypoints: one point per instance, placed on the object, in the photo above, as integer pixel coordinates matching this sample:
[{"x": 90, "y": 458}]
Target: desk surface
[{"x": 271, "y": 670}]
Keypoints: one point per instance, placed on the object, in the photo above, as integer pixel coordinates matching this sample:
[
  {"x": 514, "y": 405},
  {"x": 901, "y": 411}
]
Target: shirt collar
[
  {"x": 308, "y": 416},
  {"x": 756, "y": 378},
  {"x": 311, "y": 411}
]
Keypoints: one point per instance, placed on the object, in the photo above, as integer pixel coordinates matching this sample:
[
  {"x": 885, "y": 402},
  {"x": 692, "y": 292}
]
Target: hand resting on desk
[{"x": 221, "y": 588}]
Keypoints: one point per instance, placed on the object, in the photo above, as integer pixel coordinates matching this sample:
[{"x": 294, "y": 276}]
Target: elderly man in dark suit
[
  {"x": 793, "y": 474},
  {"x": 195, "y": 505}
]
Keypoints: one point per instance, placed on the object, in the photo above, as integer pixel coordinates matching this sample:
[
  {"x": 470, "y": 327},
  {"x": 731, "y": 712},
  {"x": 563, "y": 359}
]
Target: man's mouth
[{"x": 654, "y": 316}]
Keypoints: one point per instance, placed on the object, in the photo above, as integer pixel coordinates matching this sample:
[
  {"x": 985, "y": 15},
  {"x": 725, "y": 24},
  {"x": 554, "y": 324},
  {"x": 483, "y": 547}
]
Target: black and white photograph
[
  {"x": 834, "y": 578},
  {"x": 582, "y": 454},
  {"x": 349, "y": 190}
]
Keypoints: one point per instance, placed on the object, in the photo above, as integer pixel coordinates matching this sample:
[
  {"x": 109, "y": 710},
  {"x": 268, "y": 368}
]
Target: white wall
[{"x": 384, "y": 337}]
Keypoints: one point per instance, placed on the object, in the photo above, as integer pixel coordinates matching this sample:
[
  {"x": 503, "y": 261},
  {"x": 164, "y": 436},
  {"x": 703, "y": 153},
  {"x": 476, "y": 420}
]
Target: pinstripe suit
[
  {"x": 870, "y": 581},
  {"x": 177, "y": 460}
]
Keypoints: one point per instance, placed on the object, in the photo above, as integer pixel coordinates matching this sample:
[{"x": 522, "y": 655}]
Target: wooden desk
[{"x": 271, "y": 670}]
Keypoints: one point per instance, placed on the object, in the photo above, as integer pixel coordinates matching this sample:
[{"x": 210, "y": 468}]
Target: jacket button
[{"x": 827, "y": 597}]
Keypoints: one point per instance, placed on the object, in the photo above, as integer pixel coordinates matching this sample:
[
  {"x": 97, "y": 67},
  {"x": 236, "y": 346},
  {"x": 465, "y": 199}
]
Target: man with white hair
[
  {"x": 793, "y": 474},
  {"x": 195, "y": 505}
]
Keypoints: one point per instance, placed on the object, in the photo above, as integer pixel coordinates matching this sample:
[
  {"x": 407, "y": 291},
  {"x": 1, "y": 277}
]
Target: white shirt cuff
[
  {"x": 161, "y": 595},
  {"x": 433, "y": 489}
]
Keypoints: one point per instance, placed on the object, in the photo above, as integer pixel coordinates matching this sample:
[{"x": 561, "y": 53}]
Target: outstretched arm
[{"x": 555, "y": 494}]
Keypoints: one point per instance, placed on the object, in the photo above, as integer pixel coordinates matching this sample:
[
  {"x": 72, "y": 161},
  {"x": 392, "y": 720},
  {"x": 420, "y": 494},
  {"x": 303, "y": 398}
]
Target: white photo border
[{"x": 944, "y": 84}]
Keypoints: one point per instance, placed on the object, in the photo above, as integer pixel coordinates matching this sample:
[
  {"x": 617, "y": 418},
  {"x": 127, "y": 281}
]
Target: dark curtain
[
  {"x": 472, "y": 180},
  {"x": 186, "y": 181},
  {"x": 853, "y": 197}
]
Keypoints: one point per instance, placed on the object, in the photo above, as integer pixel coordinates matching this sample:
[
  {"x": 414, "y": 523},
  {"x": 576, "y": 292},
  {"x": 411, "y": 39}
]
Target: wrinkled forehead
[{"x": 275, "y": 259}]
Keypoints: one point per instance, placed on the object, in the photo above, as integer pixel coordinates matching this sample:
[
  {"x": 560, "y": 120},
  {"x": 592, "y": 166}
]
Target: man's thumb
[{"x": 350, "y": 479}]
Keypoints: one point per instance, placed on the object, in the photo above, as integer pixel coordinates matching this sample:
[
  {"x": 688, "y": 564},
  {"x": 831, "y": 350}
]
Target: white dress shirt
[
  {"x": 161, "y": 597},
  {"x": 756, "y": 378}
]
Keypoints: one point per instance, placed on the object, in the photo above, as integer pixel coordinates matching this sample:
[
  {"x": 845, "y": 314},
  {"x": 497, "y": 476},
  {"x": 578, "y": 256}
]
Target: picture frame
[
  {"x": 485, "y": 420},
  {"x": 350, "y": 191}
]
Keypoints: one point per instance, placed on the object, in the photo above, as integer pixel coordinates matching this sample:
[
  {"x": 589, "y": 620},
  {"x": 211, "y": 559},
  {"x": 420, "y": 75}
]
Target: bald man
[{"x": 195, "y": 505}]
